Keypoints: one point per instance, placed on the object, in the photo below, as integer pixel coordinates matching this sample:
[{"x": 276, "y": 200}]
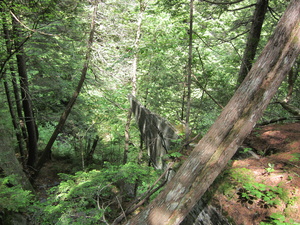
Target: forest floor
[{"x": 276, "y": 163}]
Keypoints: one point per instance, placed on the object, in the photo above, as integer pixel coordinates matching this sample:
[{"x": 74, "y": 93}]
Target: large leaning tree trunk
[{"x": 236, "y": 121}]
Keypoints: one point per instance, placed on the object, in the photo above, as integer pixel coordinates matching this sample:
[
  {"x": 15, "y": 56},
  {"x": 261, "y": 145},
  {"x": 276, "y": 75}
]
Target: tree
[
  {"x": 47, "y": 151},
  {"x": 29, "y": 119},
  {"x": 253, "y": 39},
  {"x": 15, "y": 121},
  {"x": 232, "y": 126},
  {"x": 143, "y": 6},
  {"x": 189, "y": 73}
]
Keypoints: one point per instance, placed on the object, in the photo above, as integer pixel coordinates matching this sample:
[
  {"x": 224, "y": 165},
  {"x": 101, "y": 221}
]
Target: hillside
[{"x": 264, "y": 180}]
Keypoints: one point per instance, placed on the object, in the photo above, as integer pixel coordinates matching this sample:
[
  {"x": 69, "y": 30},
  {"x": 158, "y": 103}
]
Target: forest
[{"x": 146, "y": 111}]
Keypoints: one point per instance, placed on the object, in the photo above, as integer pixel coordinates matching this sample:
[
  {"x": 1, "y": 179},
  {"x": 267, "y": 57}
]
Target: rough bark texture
[
  {"x": 253, "y": 39},
  {"x": 230, "y": 129},
  {"x": 205, "y": 214}
]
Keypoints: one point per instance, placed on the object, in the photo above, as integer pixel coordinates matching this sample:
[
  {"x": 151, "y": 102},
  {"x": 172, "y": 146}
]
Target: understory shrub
[
  {"x": 13, "y": 197},
  {"x": 91, "y": 197}
]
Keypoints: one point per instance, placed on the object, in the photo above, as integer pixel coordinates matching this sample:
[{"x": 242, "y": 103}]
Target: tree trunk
[
  {"x": 47, "y": 151},
  {"x": 236, "y": 121},
  {"x": 90, "y": 153},
  {"x": 133, "y": 78},
  {"x": 15, "y": 121},
  {"x": 290, "y": 108},
  {"x": 189, "y": 74},
  {"x": 292, "y": 77},
  {"x": 18, "y": 104},
  {"x": 32, "y": 133},
  {"x": 253, "y": 39}
]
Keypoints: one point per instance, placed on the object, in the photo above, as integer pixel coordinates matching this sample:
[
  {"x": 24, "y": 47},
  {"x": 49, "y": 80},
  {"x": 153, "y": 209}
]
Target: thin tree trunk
[
  {"x": 32, "y": 132},
  {"x": 47, "y": 151},
  {"x": 183, "y": 102},
  {"x": 89, "y": 158},
  {"x": 18, "y": 104},
  {"x": 290, "y": 108},
  {"x": 133, "y": 79},
  {"x": 236, "y": 121},
  {"x": 253, "y": 39},
  {"x": 292, "y": 77},
  {"x": 189, "y": 74},
  {"x": 15, "y": 122},
  {"x": 31, "y": 127}
]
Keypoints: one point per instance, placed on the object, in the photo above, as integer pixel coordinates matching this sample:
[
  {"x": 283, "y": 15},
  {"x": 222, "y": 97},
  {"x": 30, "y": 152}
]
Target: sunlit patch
[{"x": 158, "y": 216}]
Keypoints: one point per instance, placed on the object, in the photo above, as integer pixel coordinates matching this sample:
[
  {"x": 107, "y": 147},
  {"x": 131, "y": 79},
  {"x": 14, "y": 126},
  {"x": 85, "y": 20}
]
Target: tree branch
[
  {"x": 245, "y": 7},
  {"x": 47, "y": 151},
  {"x": 145, "y": 196},
  {"x": 28, "y": 28},
  {"x": 222, "y": 3}
]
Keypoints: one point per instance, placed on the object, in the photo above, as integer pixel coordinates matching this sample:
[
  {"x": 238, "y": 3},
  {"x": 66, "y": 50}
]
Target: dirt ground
[
  {"x": 274, "y": 145},
  {"x": 277, "y": 147}
]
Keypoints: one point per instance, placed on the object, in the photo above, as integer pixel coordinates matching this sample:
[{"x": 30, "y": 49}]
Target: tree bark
[
  {"x": 47, "y": 151},
  {"x": 292, "y": 77},
  {"x": 89, "y": 158},
  {"x": 15, "y": 122},
  {"x": 236, "y": 121},
  {"x": 189, "y": 74},
  {"x": 32, "y": 132},
  {"x": 253, "y": 39}
]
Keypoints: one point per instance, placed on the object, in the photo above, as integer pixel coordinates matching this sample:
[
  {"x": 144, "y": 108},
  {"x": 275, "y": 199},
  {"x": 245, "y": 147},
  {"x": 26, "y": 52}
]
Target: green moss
[{"x": 241, "y": 175}]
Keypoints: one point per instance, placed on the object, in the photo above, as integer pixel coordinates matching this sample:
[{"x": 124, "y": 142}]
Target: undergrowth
[
  {"x": 93, "y": 197},
  {"x": 239, "y": 183},
  {"x": 13, "y": 197}
]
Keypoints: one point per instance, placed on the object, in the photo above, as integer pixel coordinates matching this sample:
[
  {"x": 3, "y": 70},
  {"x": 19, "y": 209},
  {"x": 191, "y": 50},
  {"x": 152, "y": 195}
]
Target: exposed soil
[
  {"x": 272, "y": 145},
  {"x": 276, "y": 146}
]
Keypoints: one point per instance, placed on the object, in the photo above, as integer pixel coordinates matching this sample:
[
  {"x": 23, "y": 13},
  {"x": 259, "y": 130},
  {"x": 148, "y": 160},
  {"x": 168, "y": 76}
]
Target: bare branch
[
  {"x": 273, "y": 13},
  {"x": 199, "y": 84},
  {"x": 12, "y": 53},
  {"x": 142, "y": 199},
  {"x": 28, "y": 28},
  {"x": 222, "y": 3},
  {"x": 245, "y": 7}
]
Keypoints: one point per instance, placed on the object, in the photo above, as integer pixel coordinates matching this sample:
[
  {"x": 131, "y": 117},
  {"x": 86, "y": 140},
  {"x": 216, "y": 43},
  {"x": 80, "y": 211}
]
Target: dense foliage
[
  {"x": 52, "y": 36},
  {"x": 94, "y": 196}
]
